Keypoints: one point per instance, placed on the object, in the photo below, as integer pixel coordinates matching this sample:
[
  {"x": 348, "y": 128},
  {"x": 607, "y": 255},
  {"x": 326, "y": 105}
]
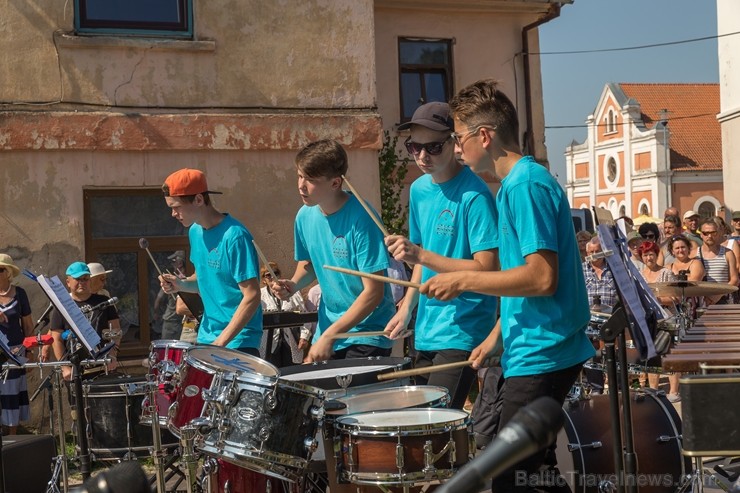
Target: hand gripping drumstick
[
  {"x": 267, "y": 265},
  {"x": 366, "y": 207},
  {"x": 144, "y": 245},
  {"x": 408, "y": 284},
  {"x": 422, "y": 371}
]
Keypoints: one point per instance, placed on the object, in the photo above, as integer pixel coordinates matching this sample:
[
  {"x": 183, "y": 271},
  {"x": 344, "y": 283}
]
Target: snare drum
[
  {"x": 398, "y": 398},
  {"x": 261, "y": 423},
  {"x": 165, "y": 356},
  {"x": 585, "y": 453},
  {"x": 342, "y": 377},
  {"x": 112, "y": 407},
  {"x": 202, "y": 370},
  {"x": 403, "y": 448}
]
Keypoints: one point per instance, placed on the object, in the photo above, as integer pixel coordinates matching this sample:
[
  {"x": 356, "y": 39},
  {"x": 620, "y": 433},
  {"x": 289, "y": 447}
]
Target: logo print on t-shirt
[
  {"x": 339, "y": 247},
  {"x": 445, "y": 223},
  {"x": 214, "y": 259}
]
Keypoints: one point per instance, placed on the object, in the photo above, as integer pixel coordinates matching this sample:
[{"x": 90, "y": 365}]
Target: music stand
[
  {"x": 88, "y": 343},
  {"x": 5, "y": 355},
  {"x": 638, "y": 311}
]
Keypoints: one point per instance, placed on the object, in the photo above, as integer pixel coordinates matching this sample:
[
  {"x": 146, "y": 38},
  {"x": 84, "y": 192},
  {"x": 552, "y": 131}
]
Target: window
[
  {"x": 611, "y": 170},
  {"x": 135, "y": 17},
  {"x": 115, "y": 222},
  {"x": 425, "y": 68},
  {"x": 644, "y": 210},
  {"x": 611, "y": 122},
  {"x": 707, "y": 209}
]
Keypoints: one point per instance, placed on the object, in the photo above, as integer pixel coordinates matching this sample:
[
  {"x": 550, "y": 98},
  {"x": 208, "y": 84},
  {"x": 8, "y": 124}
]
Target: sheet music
[
  {"x": 5, "y": 348},
  {"x": 57, "y": 293}
]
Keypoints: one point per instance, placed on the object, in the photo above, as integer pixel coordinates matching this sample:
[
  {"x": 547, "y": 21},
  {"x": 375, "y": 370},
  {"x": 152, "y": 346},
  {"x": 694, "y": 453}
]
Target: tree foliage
[{"x": 393, "y": 169}]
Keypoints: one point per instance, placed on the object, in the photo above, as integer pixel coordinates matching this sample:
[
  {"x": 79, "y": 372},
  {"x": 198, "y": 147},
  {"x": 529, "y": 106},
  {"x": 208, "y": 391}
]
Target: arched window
[
  {"x": 706, "y": 210},
  {"x": 622, "y": 211},
  {"x": 611, "y": 121},
  {"x": 644, "y": 210}
]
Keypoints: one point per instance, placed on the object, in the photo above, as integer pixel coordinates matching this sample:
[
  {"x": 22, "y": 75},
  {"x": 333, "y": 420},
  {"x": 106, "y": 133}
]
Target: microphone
[
  {"x": 100, "y": 306},
  {"x": 126, "y": 477},
  {"x": 531, "y": 429}
]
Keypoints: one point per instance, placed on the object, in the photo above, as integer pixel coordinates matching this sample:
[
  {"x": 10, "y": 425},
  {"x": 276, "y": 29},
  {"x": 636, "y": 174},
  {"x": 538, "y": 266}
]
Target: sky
[{"x": 572, "y": 83}]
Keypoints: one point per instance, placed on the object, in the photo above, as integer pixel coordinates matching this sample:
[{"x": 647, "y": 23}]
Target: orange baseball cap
[{"x": 187, "y": 181}]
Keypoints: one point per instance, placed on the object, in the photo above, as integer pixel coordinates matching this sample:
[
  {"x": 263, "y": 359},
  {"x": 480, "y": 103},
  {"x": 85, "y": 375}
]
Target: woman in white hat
[{"x": 16, "y": 323}]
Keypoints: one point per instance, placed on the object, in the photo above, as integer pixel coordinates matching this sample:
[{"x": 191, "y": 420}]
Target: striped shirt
[{"x": 717, "y": 269}]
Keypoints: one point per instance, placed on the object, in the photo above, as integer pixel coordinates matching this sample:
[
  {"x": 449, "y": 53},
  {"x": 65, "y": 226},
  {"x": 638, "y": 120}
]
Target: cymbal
[{"x": 691, "y": 288}]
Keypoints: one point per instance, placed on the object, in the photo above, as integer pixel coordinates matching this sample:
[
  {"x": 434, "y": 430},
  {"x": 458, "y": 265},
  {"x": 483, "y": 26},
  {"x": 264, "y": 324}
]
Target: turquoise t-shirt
[
  {"x": 453, "y": 219},
  {"x": 348, "y": 238},
  {"x": 541, "y": 334},
  {"x": 223, "y": 257}
]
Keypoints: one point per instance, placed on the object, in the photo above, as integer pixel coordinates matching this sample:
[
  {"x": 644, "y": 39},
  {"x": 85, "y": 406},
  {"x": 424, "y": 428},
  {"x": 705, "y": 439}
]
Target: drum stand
[
  {"x": 189, "y": 457},
  {"x": 158, "y": 455},
  {"x": 625, "y": 460}
]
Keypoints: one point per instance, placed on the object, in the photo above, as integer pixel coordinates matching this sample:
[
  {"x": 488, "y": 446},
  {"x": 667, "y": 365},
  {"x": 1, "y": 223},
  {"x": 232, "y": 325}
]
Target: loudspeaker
[
  {"x": 709, "y": 405},
  {"x": 27, "y": 462}
]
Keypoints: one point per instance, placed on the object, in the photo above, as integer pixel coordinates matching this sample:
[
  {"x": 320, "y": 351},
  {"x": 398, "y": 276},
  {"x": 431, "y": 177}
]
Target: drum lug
[
  {"x": 264, "y": 433},
  {"x": 572, "y": 447},
  {"x": 204, "y": 426},
  {"x": 350, "y": 453},
  {"x": 317, "y": 413},
  {"x": 270, "y": 402},
  {"x": 430, "y": 457},
  {"x": 399, "y": 457},
  {"x": 224, "y": 425},
  {"x": 152, "y": 360},
  {"x": 310, "y": 444},
  {"x": 666, "y": 438},
  {"x": 210, "y": 466}
]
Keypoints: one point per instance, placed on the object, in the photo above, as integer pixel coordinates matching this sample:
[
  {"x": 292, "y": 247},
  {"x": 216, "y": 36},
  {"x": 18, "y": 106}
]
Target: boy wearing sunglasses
[
  {"x": 450, "y": 228},
  {"x": 332, "y": 228}
]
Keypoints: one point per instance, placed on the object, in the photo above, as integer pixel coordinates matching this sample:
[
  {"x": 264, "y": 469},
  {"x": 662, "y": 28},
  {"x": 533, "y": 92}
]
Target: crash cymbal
[{"x": 691, "y": 288}]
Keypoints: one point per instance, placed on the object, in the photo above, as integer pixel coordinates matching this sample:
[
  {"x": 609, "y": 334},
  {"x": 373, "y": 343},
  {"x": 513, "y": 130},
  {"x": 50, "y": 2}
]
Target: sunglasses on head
[
  {"x": 649, "y": 236},
  {"x": 432, "y": 148}
]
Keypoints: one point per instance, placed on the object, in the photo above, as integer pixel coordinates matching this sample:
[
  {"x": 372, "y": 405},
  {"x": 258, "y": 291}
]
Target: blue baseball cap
[{"x": 78, "y": 269}]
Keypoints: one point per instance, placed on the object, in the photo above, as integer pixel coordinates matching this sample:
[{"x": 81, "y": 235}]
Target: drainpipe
[{"x": 553, "y": 12}]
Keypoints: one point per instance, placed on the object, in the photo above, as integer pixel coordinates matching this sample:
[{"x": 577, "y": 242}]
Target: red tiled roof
[{"x": 695, "y": 135}]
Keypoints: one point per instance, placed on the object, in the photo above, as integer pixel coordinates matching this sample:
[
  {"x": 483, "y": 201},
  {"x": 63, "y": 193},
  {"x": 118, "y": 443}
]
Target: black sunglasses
[
  {"x": 432, "y": 148},
  {"x": 649, "y": 236}
]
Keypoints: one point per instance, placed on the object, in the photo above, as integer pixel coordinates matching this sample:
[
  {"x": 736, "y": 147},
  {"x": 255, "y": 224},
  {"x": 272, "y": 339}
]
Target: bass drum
[
  {"x": 585, "y": 447},
  {"x": 224, "y": 477}
]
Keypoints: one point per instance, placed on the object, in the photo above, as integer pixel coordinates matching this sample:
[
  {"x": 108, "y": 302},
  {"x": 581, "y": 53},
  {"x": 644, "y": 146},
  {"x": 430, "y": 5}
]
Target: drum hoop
[
  {"x": 398, "y": 363},
  {"x": 280, "y": 466},
  {"x": 169, "y": 343},
  {"x": 459, "y": 423},
  {"x": 190, "y": 360},
  {"x": 442, "y": 398}
]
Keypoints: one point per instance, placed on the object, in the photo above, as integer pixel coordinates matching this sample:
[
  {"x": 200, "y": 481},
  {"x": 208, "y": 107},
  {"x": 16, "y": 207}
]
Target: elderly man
[
  {"x": 78, "y": 282},
  {"x": 690, "y": 225}
]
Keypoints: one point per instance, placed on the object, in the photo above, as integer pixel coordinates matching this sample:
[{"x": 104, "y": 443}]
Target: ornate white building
[{"x": 649, "y": 147}]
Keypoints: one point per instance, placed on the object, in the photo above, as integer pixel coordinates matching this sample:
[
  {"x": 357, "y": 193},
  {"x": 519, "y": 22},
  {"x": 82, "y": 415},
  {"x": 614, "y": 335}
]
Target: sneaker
[{"x": 673, "y": 397}]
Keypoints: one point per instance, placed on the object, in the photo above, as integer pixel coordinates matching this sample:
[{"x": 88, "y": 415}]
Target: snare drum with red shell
[
  {"x": 393, "y": 398},
  {"x": 403, "y": 448},
  {"x": 203, "y": 369},
  {"x": 224, "y": 477},
  {"x": 165, "y": 357}
]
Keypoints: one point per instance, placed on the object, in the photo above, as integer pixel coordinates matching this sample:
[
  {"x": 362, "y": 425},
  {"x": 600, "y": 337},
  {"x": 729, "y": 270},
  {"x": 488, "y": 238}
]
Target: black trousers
[
  {"x": 457, "y": 381},
  {"x": 515, "y": 393}
]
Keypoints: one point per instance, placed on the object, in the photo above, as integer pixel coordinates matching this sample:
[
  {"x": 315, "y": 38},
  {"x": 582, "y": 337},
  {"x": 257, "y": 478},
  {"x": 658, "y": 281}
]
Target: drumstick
[
  {"x": 144, "y": 244},
  {"x": 348, "y": 335},
  {"x": 264, "y": 260},
  {"x": 422, "y": 371},
  {"x": 375, "y": 277},
  {"x": 367, "y": 207}
]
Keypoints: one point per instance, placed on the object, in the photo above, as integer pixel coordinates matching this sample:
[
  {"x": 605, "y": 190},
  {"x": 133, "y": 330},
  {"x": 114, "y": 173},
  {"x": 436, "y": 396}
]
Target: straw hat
[{"x": 7, "y": 262}]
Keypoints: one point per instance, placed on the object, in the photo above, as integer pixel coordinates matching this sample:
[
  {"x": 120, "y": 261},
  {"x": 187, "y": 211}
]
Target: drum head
[
  {"x": 214, "y": 358},
  {"x": 395, "y": 398},
  {"x": 408, "y": 420},
  {"x": 357, "y": 371}
]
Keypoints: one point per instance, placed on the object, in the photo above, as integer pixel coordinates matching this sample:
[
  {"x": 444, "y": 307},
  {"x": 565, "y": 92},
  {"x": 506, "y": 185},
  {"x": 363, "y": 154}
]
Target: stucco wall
[
  {"x": 728, "y": 21},
  {"x": 324, "y": 57}
]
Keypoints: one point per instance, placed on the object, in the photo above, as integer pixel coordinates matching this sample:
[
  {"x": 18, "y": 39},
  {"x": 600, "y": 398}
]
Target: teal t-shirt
[
  {"x": 348, "y": 238},
  {"x": 541, "y": 334},
  {"x": 453, "y": 219},
  {"x": 223, "y": 257}
]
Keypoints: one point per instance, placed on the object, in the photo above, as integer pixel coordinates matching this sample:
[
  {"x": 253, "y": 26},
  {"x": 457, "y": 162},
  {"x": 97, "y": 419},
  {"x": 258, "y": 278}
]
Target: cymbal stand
[
  {"x": 189, "y": 457},
  {"x": 625, "y": 460},
  {"x": 61, "y": 461},
  {"x": 158, "y": 454}
]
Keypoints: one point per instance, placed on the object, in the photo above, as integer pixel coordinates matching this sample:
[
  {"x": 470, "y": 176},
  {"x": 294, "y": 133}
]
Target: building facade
[
  {"x": 649, "y": 147},
  {"x": 97, "y": 108}
]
